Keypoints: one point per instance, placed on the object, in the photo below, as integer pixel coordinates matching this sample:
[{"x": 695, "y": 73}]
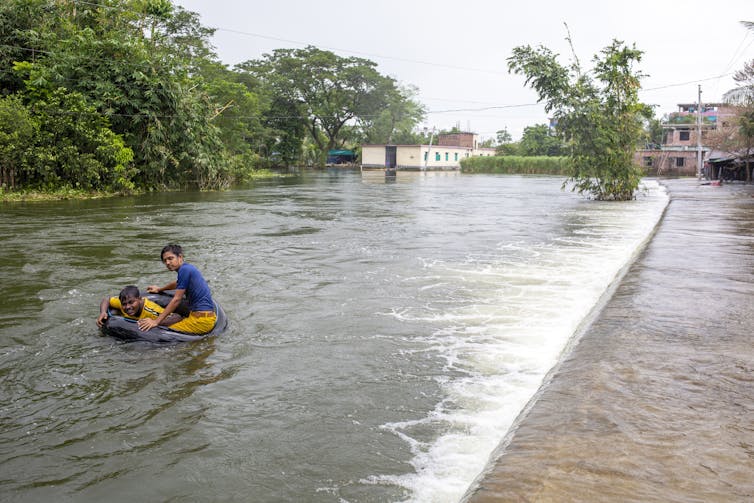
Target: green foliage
[
  {"x": 28, "y": 29},
  {"x": 654, "y": 132},
  {"x": 503, "y": 136},
  {"x": 687, "y": 118},
  {"x": 598, "y": 114},
  {"x": 126, "y": 72},
  {"x": 126, "y": 95},
  {"x": 332, "y": 97},
  {"x": 507, "y": 149},
  {"x": 395, "y": 123},
  {"x": 539, "y": 140},
  {"x": 60, "y": 140},
  {"x": 18, "y": 130},
  {"x": 520, "y": 165}
]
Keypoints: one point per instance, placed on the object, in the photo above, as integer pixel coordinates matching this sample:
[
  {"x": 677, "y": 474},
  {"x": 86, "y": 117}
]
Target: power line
[
  {"x": 429, "y": 112},
  {"x": 696, "y": 81},
  {"x": 360, "y": 53},
  {"x": 375, "y": 55},
  {"x": 484, "y": 109},
  {"x": 689, "y": 82},
  {"x": 305, "y": 44},
  {"x": 738, "y": 49}
]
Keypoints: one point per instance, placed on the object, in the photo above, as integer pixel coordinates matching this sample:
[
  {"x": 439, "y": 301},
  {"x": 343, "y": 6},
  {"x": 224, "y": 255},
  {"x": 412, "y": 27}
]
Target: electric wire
[{"x": 374, "y": 55}]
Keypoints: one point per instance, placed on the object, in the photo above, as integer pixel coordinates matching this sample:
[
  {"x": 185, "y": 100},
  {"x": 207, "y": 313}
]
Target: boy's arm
[
  {"x": 148, "y": 323},
  {"x": 153, "y": 310},
  {"x": 103, "y": 306},
  {"x": 158, "y": 289}
]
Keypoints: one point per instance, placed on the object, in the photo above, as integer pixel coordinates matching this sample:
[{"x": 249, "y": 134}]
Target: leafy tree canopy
[
  {"x": 330, "y": 94},
  {"x": 539, "y": 140},
  {"x": 598, "y": 114},
  {"x": 129, "y": 94}
]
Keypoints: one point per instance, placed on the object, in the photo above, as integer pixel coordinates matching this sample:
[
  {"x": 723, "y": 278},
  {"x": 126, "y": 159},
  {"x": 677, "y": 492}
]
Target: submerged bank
[
  {"x": 654, "y": 403},
  {"x": 65, "y": 193}
]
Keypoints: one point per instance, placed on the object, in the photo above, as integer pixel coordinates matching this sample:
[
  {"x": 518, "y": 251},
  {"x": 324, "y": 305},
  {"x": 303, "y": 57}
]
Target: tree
[
  {"x": 238, "y": 115},
  {"x": 396, "y": 122},
  {"x": 654, "y": 133},
  {"x": 135, "y": 63},
  {"x": 505, "y": 143},
  {"x": 60, "y": 141},
  {"x": 27, "y": 29},
  {"x": 503, "y": 136},
  {"x": 539, "y": 140},
  {"x": 598, "y": 114},
  {"x": 18, "y": 129},
  {"x": 327, "y": 92}
]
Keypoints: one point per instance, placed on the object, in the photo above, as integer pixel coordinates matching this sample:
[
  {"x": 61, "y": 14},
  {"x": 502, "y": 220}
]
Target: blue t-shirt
[{"x": 197, "y": 290}]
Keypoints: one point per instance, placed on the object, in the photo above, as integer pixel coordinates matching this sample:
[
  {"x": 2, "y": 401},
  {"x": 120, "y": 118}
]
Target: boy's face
[
  {"x": 131, "y": 305},
  {"x": 172, "y": 261}
]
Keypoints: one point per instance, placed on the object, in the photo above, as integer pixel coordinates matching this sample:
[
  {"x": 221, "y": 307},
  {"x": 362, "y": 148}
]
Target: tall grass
[{"x": 517, "y": 165}]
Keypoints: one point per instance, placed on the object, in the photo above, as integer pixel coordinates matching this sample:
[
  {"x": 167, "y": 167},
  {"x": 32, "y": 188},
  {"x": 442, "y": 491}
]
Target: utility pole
[
  {"x": 699, "y": 135},
  {"x": 429, "y": 150}
]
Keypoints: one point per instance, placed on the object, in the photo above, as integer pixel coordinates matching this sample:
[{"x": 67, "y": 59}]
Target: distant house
[
  {"x": 341, "y": 157},
  {"x": 445, "y": 155},
  {"x": 678, "y": 153}
]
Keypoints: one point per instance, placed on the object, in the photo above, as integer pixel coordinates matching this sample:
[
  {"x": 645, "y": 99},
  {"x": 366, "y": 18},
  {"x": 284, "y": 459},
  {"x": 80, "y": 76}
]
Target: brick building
[{"x": 678, "y": 153}]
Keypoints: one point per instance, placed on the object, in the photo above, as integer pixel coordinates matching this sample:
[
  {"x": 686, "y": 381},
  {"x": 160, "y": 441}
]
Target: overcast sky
[{"x": 455, "y": 52}]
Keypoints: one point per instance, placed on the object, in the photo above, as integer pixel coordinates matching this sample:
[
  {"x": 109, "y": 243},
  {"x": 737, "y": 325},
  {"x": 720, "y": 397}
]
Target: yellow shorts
[{"x": 196, "y": 323}]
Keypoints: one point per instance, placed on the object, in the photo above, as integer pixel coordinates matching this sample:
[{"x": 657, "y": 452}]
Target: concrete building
[
  {"x": 677, "y": 155},
  {"x": 447, "y": 154}
]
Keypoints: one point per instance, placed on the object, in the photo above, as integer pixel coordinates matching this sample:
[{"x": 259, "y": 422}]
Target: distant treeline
[
  {"x": 124, "y": 95},
  {"x": 519, "y": 165}
]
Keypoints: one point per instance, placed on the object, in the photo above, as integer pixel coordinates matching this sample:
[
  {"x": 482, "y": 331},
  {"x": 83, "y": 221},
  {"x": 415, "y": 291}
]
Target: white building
[{"x": 446, "y": 155}]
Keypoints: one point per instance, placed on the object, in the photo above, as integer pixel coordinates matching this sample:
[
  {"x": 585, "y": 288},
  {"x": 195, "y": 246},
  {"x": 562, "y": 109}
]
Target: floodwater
[
  {"x": 384, "y": 335},
  {"x": 656, "y": 402}
]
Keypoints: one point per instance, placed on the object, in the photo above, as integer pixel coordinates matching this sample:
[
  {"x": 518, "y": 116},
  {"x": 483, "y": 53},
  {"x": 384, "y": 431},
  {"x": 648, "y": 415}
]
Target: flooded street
[
  {"x": 384, "y": 334},
  {"x": 656, "y": 402}
]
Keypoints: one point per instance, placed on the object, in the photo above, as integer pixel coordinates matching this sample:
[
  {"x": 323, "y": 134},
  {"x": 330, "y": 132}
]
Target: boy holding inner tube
[
  {"x": 189, "y": 283},
  {"x": 132, "y": 305}
]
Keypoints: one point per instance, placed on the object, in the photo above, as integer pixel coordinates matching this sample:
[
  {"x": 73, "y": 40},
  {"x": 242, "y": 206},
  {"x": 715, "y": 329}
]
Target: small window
[
  {"x": 437, "y": 156},
  {"x": 456, "y": 157},
  {"x": 683, "y": 135},
  {"x": 446, "y": 156},
  {"x": 425, "y": 155},
  {"x": 679, "y": 162},
  {"x": 647, "y": 162}
]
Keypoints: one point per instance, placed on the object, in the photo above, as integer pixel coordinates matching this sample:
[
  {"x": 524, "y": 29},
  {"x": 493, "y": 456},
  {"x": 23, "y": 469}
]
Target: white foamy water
[{"x": 511, "y": 315}]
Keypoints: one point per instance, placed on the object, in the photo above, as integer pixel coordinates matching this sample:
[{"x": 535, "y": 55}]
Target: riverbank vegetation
[
  {"x": 128, "y": 95},
  {"x": 519, "y": 165},
  {"x": 596, "y": 113}
]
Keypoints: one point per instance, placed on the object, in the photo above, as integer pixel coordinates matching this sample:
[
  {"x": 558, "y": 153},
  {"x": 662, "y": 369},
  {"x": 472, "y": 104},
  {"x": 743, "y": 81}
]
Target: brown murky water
[{"x": 656, "y": 402}]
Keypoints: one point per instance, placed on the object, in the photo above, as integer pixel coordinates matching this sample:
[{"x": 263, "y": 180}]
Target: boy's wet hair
[
  {"x": 129, "y": 292},
  {"x": 173, "y": 248}
]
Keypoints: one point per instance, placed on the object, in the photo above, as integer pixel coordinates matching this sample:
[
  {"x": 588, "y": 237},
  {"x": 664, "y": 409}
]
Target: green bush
[{"x": 518, "y": 165}]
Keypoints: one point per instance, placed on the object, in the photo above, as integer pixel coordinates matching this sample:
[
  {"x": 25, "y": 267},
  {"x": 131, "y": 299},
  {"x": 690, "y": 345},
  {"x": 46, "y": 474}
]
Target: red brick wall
[{"x": 456, "y": 140}]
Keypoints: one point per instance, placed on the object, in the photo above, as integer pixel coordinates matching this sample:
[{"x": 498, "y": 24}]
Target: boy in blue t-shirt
[{"x": 190, "y": 283}]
